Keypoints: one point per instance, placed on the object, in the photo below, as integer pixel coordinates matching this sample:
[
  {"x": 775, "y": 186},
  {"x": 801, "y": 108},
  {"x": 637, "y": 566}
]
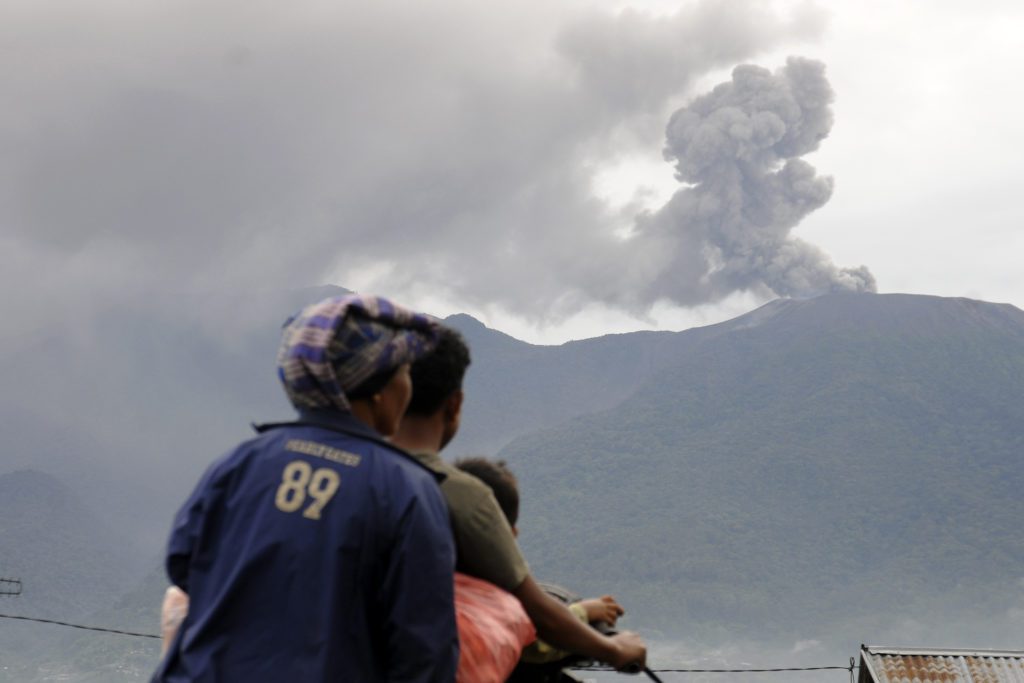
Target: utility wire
[
  {"x": 723, "y": 671},
  {"x": 575, "y": 668},
  {"x": 80, "y": 626},
  {"x": 744, "y": 671}
]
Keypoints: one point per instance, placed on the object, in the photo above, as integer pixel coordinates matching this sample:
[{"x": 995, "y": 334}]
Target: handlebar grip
[{"x": 607, "y": 629}]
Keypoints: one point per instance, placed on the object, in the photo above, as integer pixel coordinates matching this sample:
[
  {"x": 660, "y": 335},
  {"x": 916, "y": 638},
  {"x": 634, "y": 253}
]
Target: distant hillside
[
  {"x": 831, "y": 463},
  {"x": 514, "y": 388},
  {"x": 71, "y": 565},
  {"x": 69, "y": 562},
  {"x": 134, "y": 406}
]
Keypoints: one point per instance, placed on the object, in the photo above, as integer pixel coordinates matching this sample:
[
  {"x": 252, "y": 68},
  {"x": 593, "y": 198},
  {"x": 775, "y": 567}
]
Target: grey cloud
[
  {"x": 240, "y": 145},
  {"x": 633, "y": 60},
  {"x": 159, "y": 158}
]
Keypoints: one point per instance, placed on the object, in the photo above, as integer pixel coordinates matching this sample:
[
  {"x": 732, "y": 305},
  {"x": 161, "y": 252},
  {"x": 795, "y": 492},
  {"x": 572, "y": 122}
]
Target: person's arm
[
  {"x": 558, "y": 626},
  {"x": 488, "y": 550},
  {"x": 418, "y": 594}
]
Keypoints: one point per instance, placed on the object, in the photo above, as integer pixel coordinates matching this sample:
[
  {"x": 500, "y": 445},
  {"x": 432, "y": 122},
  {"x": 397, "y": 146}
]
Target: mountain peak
[
  {"x": 477, "y": 334},
  {"x": 464, "y": 321}
]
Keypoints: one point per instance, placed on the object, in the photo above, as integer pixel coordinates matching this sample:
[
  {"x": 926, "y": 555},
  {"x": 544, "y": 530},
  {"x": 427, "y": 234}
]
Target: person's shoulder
[
  {"x": 464, "y": 479},
  {"x": 395, "y": 457},
  {"x": 391, "y": 456},
  {"x": 463, "y": 488},
  {"x": 232, "y": 460},
  {"x": 346, "y": 447}
]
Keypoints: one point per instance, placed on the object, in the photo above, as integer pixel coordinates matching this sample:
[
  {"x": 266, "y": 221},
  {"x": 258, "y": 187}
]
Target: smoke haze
[{"x": 253, "y": 145}]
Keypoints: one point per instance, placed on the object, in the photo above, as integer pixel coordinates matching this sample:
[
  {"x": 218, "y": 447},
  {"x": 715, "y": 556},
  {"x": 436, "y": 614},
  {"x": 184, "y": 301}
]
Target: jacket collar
[
  {"x": 346, "y": 423},
  {"x": 335, "y": 420}
]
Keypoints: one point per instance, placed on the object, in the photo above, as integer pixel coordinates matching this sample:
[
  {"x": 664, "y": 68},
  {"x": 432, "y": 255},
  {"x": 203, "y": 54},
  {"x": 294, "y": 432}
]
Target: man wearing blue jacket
[{"x": 317, "y": 551}]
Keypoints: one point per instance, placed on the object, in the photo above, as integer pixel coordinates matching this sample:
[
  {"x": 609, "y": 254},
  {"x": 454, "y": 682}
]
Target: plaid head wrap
[{"x": 333, "y": 346}]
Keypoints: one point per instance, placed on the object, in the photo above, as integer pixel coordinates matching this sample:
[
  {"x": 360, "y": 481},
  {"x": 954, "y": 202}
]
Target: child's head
[{"x": 497, "y": 475}]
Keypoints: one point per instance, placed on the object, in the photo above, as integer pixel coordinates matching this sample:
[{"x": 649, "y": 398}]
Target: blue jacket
[{"x": 314, "y": 552}]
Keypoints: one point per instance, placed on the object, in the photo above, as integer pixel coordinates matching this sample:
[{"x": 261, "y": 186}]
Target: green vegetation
[{"x": 849, "y": 461}]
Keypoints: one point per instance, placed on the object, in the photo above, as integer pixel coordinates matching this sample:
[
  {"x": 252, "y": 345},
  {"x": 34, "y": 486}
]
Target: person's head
[
  {"x": 381, "y": 400},
  {"x": 497, "y": 475},
  {"x": 352, "y": 354},
  {"x": 437, "y": 382}
]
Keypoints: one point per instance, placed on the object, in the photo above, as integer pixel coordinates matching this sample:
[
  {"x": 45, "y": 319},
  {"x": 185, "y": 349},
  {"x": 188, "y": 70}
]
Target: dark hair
[
  {"x": 439, "y": 374},
  {"x": 497, "y": 475}
]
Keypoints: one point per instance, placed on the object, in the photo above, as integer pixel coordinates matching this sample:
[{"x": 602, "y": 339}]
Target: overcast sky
[{"x": 511, "y": 160}]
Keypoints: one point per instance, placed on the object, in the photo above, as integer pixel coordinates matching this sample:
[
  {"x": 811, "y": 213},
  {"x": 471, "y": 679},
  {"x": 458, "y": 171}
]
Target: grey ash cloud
[
  {"x": 738, "y": 152},
  {"x": 213, "y": 146}
]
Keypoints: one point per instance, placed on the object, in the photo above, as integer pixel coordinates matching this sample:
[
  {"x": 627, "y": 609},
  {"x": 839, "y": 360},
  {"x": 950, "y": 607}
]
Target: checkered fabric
[{"x": 333, "y": 346}]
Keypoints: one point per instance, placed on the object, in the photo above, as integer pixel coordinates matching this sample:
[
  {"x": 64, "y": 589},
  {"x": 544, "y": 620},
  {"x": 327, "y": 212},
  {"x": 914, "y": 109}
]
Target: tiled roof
[{"x": 889, "y": 665}]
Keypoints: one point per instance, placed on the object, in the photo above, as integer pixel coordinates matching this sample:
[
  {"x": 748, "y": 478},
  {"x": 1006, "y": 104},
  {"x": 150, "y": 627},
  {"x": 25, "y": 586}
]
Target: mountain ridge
[{"x": 833, "y": 416}]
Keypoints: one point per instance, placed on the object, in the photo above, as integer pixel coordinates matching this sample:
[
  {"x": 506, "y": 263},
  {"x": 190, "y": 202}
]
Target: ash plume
[
  {"x": 738, "y": 151},
  {"x": 403, "y": 149}
]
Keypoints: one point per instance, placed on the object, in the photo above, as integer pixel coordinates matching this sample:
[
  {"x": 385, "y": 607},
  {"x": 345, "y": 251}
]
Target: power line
[
  {"x": 575, "y": 668},
  {"x": 4, "y": 583},
  {"x": 752, "y": 671},
  {"x": 723, "y": 671},
  {"x": 80, "y": 626}
]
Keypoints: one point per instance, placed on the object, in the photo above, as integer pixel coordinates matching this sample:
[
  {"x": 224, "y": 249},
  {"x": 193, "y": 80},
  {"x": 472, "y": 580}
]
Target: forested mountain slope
[{"x": 834, "y": 462}]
